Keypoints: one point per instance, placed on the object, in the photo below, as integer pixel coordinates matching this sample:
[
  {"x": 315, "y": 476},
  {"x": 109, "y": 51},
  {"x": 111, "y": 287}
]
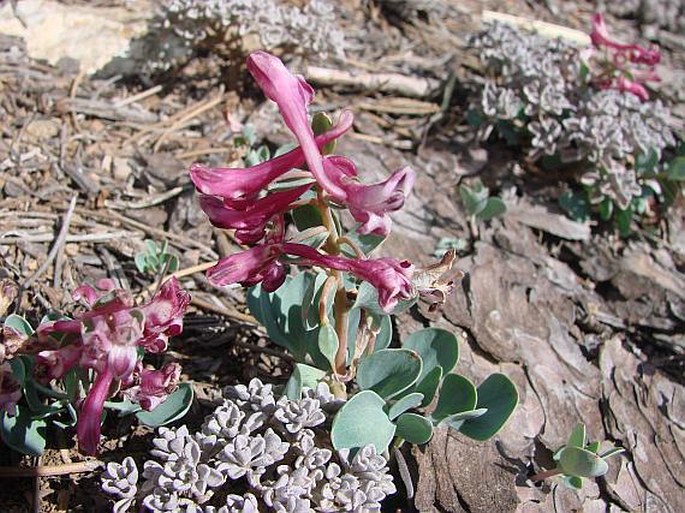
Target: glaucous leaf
[
  {"x": 498, "y": 394},
  {"x": 414, "y": 428},
  {"x": 575, "y": 461},
  {"x": 362, "y": 421},
  {"x": 173, "y": 408},
  {"x": 457, "y": 394},
  {"x": 389, "y": 372},
  {"x": 404, "y": 404}
]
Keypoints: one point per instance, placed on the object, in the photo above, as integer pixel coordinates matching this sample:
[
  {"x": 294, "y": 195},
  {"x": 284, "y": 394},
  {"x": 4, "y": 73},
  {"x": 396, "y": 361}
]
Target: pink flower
[
  {"x": 260, "y": 264},
  {"x": 150, "y": 387},
  {"x": 90, "y": 413},
  {"x": 293, "y": 95},
  {"x": 631, "y": 65},
  {"x": 626, "y": 85},
  {"x": 239, "y": 185},
  {"x": 635, "y": 53},
  {"x": 164, "y": 316},
  {"x": 55, "y": 363},
  {"x": 107, "y": 339},
  {"x": 255, "y": 265},
  {"x": 390, "y": 277},
  {"x": 370, "y": 204},
  {"x": 251, "y": 222},
  {"x": 10, "y": 390}
]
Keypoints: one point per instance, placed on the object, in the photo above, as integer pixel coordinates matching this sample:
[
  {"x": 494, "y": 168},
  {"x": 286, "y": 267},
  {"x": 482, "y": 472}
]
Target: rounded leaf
[
  {"x": 22, "y": 432},
  {"x": 494, "y": 207},
  {"x": 575, "y": 461},
  {"x": 407, "y": 402},
  {"x": 19, "y": 324},
  {"x": 457, "y": 394},
  {"x": 414, "y": 428},
  {"x": 498, "y": 394},
  {"x": 389, "y": 372},
  {"x": 362, "y": 421},
  {"x": 303, "y": 376},
  {"x": 436, "y": 347},
  {"x": 429, "y": 385},
  {"x": 173, "y": 408}
]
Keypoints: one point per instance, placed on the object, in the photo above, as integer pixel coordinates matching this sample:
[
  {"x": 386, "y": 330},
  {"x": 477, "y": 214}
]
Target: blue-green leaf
[
  {"x": 577, "y": 437},
  {"x": 19, "y": 324},
  {"x": 389, "y": 372},
  {"x": 575, "y": 461},
  {"x": 407, "y": 402},
  {"x": 328, "y": 344},
  {"x": 173, "y": 408},
  {"x": 457, "y": 394},
  {"x": 429, "y": 385},
  {"x": 498, "y": 394},
  {"x": 414, "y": 428},
  {"x": 22, "y": 432},
  {"x": 494, "y": 207},
  {"x": 362, "y": 421},
  {"x": 303, "y": 376},
  {"x": 676, "y": 169},
  {"x": 436, "y": 347}
]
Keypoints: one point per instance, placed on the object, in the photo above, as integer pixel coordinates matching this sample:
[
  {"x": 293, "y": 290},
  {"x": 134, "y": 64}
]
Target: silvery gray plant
[
  {"x": 255, "y": 452},
  {"x": 181, "y": 27},
  {"x": 538, "y": 94}
]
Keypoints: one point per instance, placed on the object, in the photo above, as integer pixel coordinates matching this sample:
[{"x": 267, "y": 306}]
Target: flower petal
[
  {"x": 292, "y": 95},
  {"x": 90, "y": 414},
  {"x": 247, "y": 267},
  {"x": 238, "y": 185}
]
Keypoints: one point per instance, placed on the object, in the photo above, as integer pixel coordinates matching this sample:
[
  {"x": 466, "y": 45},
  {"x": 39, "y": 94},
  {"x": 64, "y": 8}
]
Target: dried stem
[
  {"x": 50, "y": 470},
  {"x": 546, "y": 474}
]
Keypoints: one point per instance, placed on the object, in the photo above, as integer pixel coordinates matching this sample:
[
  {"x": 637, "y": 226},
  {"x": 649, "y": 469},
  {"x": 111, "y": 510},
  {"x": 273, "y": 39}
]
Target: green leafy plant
[
  {"x": 333, "y": 312},
  {"x": 579, "y": 459},
  {"x": 155, "y": 259},
  {"x": 479, "y": 204},
  {"x": 61, "y": 373}
]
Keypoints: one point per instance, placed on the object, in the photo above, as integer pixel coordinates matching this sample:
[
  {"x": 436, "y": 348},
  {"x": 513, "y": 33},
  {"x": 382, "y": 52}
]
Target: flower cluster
[
  {"x": 271, "y": 449},
  {"x": 225, "y": 26},
  {"x": 625, "y": 67},
  {"x": 244, "y": 199},
  {"x": 11, "y": 343},
  {"x": 574, "y": 104},
  {"x": 108, "y": 338}
]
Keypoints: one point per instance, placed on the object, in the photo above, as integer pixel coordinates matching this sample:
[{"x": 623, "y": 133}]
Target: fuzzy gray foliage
[
  {"x": 270, "y": 453},
  {"x": 233, "y": 27},
  {"x": 535, "y": 88}
]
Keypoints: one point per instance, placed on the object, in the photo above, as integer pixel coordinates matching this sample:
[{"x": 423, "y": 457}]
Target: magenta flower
[
  {"x": 390, "y": 277},
  {"x": 260, "y": 264},
  {"x": 370, "y": 204},
  {"x": 293, "y": 95},
  {"x": 10, "y": 390},
  {"x": 633, "y": 65},
  {"x": 90, "y": 413},
  {"x": 149, "y": 387},
  {"x": 255, "y": 265},
  {"x": 624, "y": 84},
  {"x": 107, "y": 339},
  {"x": 634, "y": 53},
  {"x": 250, "y": 223},
  {"x": 237, "y": 186}
]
